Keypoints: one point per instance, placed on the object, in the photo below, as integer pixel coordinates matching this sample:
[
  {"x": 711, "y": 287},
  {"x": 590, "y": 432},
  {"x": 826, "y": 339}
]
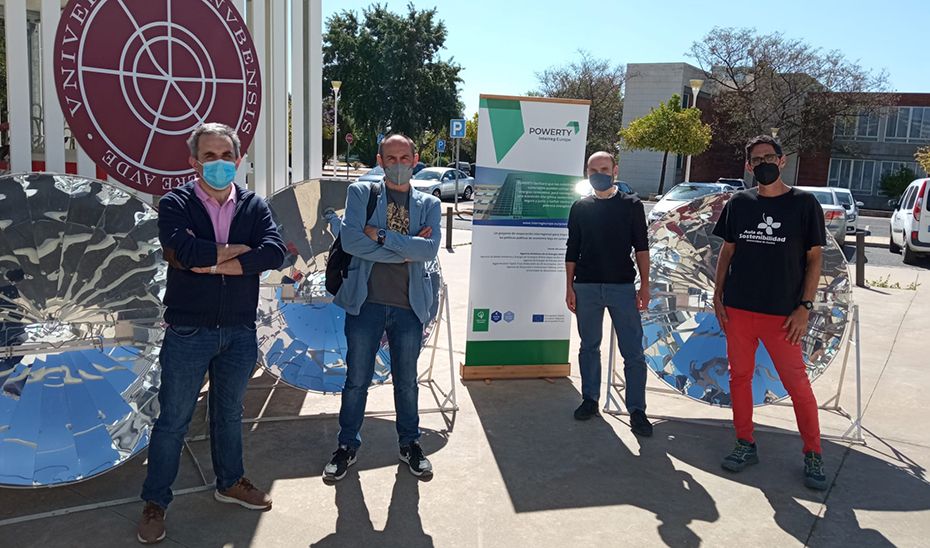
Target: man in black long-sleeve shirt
[{"x": 602, "y": 231}]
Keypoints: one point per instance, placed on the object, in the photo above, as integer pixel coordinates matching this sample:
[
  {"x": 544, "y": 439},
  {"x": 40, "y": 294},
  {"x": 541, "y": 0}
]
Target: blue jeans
[
  {"x": 230, "y": 355},
  {"x": 620, "y": 301},
  {"x": 363, "y": 338}
]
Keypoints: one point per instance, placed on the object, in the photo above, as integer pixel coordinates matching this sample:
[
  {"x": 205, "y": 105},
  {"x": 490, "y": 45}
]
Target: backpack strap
[{"x": 373, "y": 193}]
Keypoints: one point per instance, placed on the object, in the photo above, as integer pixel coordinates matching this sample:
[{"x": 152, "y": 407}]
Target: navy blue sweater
[{"x": 204, "y": 300}]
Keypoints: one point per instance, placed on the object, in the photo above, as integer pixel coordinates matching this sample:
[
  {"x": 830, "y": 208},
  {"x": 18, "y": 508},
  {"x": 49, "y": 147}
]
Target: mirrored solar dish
[
  {"x": 81, "y": 281},
  {"x": 301, "y": 333},
  {"x": 682, "y": 339}
]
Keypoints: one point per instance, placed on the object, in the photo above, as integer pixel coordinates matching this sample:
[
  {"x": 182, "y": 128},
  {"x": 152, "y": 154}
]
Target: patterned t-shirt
[{"x": 389, "y": 283}]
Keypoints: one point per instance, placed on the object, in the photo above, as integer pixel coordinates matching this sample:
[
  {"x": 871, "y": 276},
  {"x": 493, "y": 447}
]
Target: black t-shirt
[
  {"x": 772, "y": 237},
  {"x": 601, "y": 233}
]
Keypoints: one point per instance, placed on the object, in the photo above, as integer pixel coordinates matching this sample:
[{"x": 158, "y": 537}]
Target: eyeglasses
[{"x": 768, "y": 158}]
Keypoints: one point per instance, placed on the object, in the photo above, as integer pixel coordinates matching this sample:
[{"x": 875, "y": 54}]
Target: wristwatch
[
  {"x": 213, "y": 269},
  {"x": 381, "y": 235},
  {"x": 807, "y": 304}
]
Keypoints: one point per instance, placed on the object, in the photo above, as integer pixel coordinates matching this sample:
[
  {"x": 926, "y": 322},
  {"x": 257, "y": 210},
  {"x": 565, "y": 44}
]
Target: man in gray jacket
[{"x": 388, "y": 290}]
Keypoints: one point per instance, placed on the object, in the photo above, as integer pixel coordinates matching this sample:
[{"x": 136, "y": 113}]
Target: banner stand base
[{"x": 477, "y": 372}]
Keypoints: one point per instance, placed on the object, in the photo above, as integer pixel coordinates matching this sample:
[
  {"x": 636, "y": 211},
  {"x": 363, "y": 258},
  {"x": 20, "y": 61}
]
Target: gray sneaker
[
  {"x": 742, "y": 456},
  {"x": 814, "y": 476}
]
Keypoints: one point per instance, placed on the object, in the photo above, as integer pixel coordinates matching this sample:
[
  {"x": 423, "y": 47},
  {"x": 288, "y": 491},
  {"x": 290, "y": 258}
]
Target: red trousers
[{"x": 744, "y": 331}]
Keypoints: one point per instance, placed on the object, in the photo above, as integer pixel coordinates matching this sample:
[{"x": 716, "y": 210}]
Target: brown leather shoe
[
  {"x": 151, "y": 524},
  {"x": 244, "y": 494}
]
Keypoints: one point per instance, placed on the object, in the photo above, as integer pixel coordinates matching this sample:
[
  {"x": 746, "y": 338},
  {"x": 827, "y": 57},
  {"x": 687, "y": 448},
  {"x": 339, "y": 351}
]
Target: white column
[
  {"x": 85, "y": 166},
  {"x": 260, "y": 147},
  {"x": 54, "y": 122},
  {"x": 298, "y": 97},
  {"x": 17, "y": 77},
  {"x": 244, "y": 166},
  {"x": 279, "y": 142},
  {"x": 314, "y": 31}
]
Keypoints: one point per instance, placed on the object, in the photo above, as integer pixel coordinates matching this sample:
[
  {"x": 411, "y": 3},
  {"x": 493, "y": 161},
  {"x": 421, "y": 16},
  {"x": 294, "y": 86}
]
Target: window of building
[
  {"x": 859, "y": 176},
  {"x": 908, "y": 124},
  {"x": 863, "y": 127},
  {"x": 891, "y": 166}
]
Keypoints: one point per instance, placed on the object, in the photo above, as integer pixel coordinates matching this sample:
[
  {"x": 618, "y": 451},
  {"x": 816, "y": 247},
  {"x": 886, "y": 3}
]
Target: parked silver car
[
  {"x": 852, "y": 208},
  {"x": 440, "y": 182},
  {"x": 834, "y": 214}
]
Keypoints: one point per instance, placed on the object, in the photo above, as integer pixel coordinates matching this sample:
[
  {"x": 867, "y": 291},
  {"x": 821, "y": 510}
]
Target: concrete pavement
[{"x": 514, "y": 469}]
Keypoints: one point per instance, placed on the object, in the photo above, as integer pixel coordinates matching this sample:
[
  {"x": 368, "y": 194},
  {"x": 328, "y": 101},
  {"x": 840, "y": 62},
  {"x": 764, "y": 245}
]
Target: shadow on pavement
[
  {"x": 549, "y": 461},
  {"x": 862, "y": 481},
  {"x": 354, "y": 527}
]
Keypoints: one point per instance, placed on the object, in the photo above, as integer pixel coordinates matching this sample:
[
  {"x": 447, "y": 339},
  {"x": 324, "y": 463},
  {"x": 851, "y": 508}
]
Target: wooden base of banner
[{"x": 514, "y": 371}]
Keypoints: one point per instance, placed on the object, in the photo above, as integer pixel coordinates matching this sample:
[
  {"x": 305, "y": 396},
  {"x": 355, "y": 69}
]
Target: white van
[{"x": 910, "y": 223}]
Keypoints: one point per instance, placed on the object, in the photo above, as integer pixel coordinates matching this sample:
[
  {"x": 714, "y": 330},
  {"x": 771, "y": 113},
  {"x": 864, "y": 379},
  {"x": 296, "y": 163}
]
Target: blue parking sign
[
  {"x": 380, "y": 138},
  {"x": 441, "y": 145},
  {"x": 457, "y": 129}
]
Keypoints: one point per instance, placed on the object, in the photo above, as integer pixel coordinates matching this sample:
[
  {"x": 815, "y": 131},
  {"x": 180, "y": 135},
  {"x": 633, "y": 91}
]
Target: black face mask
[{"x": 766, "y": 173}]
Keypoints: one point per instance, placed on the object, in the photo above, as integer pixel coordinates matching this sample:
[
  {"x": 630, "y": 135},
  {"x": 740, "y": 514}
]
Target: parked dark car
[{"x": 463, "y": 166}]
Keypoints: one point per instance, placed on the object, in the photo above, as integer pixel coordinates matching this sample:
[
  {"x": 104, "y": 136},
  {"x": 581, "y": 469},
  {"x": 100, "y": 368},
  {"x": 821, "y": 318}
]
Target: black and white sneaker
[
  {"x": 342, "y": 459},
  {"x": 413, "y": 455}
]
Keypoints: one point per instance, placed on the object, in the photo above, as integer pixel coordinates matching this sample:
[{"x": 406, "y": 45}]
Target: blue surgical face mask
[
  {"x": 219, "y": 174},
  {"x": 601, "y": 181}
]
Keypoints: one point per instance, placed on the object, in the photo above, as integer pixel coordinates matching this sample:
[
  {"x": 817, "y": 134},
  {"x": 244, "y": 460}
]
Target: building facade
[{"x": 863, "y": 149}]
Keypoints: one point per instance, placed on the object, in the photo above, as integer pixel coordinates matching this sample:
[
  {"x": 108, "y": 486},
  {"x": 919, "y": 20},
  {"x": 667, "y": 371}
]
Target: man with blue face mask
[
  {"x": 217, "y": 237},
  {"x": 388, "y": 291},
  {"x": 604, "y": 230}
]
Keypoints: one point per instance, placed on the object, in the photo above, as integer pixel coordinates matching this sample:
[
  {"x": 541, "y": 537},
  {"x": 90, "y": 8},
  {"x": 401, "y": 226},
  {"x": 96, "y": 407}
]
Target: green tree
[
  {"x": 764, "y": 81},
  {"x": 894, "y": 183},
  {"x": 393, "y": 79},
  {"x": 668, "y": 129},
  {"x": 470, "y": 142},
  {"x": 594, "y": 80},
  {"x": 923, "y": 158}
]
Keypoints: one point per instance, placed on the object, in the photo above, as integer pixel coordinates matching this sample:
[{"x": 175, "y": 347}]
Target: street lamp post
[
  {"x": 695, "y": 89},
  {"x": 336, "y": 85}
]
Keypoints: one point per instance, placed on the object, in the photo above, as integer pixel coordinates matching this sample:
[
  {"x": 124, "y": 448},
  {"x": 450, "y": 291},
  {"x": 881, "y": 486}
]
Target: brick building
[{"x": 863, "y": 148}]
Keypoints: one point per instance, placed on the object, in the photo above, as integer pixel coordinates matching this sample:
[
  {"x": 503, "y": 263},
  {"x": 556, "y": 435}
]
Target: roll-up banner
[{"x": 530, "y": 157}]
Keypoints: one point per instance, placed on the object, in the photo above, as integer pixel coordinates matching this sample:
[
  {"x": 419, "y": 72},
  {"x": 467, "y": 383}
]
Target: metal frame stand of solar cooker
[{"x": 682, "y": 339}]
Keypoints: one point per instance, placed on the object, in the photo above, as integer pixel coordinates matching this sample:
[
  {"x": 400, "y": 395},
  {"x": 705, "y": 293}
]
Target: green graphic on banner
[
  {"x": 506, "y": 124},
  {"x": 529, "y": 195},
  {"x": 481, "y": 321},
  {"x": 546, "y": 352}
]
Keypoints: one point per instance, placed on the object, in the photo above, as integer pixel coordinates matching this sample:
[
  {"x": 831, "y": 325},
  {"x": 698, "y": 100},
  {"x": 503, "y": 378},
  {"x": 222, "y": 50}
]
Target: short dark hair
[
  {"x": 762, "y": 140},
  {"x": 413, "y": 150}
]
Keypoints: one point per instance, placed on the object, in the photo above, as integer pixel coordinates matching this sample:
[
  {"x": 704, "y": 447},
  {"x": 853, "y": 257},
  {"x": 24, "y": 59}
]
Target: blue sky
[{"x": 502, "y": 43}]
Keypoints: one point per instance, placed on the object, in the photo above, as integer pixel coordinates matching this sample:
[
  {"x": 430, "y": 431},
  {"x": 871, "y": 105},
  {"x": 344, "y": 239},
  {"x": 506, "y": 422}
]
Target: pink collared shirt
[{"x": 220, "y": 215}]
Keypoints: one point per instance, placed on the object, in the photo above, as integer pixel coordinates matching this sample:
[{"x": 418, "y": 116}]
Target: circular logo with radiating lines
[{"x": 135, "y": 78}]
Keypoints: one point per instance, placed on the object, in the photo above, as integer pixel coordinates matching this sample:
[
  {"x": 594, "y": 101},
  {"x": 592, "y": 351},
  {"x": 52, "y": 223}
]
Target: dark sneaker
[
  {"x": 586, "y": 410},
  {"x": 246, "y": 495},
  {"x": 342, "y": 459},
  {"x": 814, "y": 476},
  {"x": 151, "y": 524},
  {"x": 742, "y": 456},
  {"x": 413, "y": 455},
  {"x": 639, "y": 424}
]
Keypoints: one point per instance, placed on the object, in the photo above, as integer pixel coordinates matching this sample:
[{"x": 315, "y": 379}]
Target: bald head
[
  {"x": 602, "y": 162},
  {"x": 397, "y": 149}
]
